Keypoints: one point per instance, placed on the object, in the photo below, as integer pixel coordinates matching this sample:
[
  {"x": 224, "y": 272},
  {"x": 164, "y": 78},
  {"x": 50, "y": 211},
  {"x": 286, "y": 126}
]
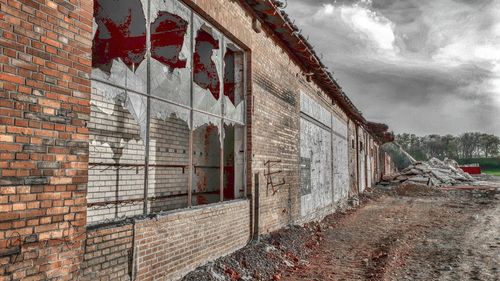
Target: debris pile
[
  {"x": 432, "y": 173},
  {"x": 281, "y": 251}
]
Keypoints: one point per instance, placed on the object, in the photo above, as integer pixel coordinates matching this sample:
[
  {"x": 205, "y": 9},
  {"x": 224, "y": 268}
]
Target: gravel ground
[{"x": 402, "y": 233}]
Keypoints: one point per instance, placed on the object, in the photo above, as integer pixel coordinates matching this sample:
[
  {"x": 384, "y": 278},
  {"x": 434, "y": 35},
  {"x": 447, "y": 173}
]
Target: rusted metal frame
[
  {"x": 221, "y": 120},
  {"x": 366, "y": 158},
  {"x": 92, "y": 165},
  {"x": 191, "y": 128},
  {"x": 128, "y": 201},
  {"x": 245, "y": 123},
  {"x": 148, "y": 109},
  {"x": 358, "y": 176},
  {"x": 117, "y": 86},
  {"x": 332, "y": 133}
]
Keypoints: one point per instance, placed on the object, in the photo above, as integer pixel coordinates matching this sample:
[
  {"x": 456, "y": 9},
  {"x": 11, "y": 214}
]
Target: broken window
[
  {"x": 167, "y": 145},
  {"x": 205, "y": 70},
  {"x": 207, "y": 64},
  {"x": 116, "y": 153},
  {"x": 234, "y": 160},
  {"x": 171, "y": 51},
  {"x": 233, "y": 82},
  {"x": 207, "y": 151},
  {"x": 120, "y": 34},
  {"x": 168, "y": 166}
]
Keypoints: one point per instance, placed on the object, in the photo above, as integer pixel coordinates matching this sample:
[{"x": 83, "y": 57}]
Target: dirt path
[{"x": 411, "y": 235}]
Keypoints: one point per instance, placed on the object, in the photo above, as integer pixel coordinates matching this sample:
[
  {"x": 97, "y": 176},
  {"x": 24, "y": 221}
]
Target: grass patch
[{"x": 492, "y": 172}]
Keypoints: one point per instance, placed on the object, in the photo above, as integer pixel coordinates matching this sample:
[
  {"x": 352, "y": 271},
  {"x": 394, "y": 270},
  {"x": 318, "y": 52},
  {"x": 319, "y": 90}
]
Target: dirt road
[{"x": 411, "y": 234}]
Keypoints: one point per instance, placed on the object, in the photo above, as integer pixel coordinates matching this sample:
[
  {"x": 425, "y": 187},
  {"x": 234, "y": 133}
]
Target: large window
[{"x": 167, "y": 111}]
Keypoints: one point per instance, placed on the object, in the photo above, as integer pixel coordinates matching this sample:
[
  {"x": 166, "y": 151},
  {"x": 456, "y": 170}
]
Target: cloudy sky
[{"x": 421, "y": 66}]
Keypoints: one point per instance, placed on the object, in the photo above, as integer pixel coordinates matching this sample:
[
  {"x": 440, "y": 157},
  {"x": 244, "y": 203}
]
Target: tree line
[{"x": 465, "y": 146}]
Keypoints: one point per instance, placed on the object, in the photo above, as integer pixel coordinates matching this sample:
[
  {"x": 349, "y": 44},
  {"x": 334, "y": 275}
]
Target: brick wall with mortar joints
[
  {"x": 108, "y": 253},
  {"x": 44, "y": 106},
  {"x": 276, "y": 65},
  {"x": 171, "y": 245}
]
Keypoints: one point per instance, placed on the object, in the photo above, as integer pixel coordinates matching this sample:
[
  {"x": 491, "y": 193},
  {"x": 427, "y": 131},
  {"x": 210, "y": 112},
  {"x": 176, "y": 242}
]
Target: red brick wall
[
  {"x": 276, "y": 80},
  {"x": 171, "y": 245},
  {"x": 108, "y": 253},
  {"x": 45, "y": 63},
  {"x": 44, "y": 105}
]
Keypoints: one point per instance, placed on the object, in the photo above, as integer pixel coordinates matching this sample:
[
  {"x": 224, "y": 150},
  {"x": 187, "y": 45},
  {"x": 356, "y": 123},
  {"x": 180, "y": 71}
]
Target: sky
[{"x": 420, "y": 66}]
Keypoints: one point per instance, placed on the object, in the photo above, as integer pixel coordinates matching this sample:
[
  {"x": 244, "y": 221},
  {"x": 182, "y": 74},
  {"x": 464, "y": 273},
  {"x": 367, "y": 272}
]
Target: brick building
[{"x": 142, "y": 138}]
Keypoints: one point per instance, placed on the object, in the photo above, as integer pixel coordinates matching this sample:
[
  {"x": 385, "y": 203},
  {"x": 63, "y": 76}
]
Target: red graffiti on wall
[{"x": 205, "y": 71}]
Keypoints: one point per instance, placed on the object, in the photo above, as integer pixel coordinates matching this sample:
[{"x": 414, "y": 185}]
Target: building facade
[{"x": 140, "y": 139}]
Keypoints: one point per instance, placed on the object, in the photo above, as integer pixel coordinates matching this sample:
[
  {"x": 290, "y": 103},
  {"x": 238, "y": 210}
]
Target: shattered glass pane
[
  {"x": 207, "y": 61},
  {"x": 122, "y": 76},
  {"x": 206, "y": 159},
  {"x": 135, "y": 104},
  {"x": 168, "y": 157},
  {"x": 120, "y": 35},
  {"x": 234, "y": 159},
  {"x": 116, "y": 153},
  {"x": 234, "y": 95},
  {"x": 171, "y": 51}
]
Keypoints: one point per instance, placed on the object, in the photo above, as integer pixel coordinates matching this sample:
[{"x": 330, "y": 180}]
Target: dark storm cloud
[{"x": 426, "y": 66}]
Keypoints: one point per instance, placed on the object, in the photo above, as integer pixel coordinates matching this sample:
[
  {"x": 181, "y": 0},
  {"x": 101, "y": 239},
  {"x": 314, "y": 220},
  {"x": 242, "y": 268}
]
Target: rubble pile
[{"x": 432, "y": 173}]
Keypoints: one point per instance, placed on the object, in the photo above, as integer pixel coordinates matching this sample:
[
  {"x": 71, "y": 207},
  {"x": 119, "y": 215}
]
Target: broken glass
[
  {"x": 171, "y": 51},
  {"x": 120, "y": 34},
  {"x": 207, "y": 62},
  {"x": 234, "y": 159},
  {"x": 206, "y": 159},
  {"x": 234, "y": 91}
]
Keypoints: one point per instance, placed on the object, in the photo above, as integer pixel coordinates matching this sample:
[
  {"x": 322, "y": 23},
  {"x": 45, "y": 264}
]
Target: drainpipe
[
  {"x": 358, "y": 181},
  {"x": 256, "y": 210}
]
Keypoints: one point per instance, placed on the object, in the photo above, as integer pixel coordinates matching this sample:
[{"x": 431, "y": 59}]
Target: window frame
[{"x": 148, "y": 94}]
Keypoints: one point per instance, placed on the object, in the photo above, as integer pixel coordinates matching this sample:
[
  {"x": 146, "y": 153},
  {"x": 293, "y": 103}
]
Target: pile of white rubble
[{"x": 432, "y": 173}]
